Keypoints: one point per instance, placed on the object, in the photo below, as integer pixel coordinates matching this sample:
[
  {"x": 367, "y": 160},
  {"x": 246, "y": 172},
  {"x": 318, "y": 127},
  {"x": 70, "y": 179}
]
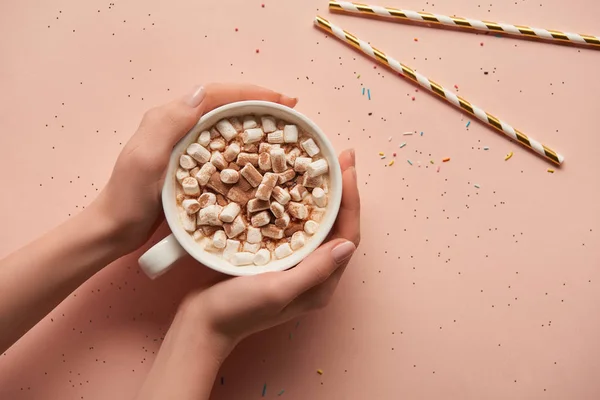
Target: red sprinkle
[
  {"x": 456, "y": 86},
  {"x": 374, "y": 66},
  {"x": 394, "y": 154},
  {"x": 481, "y": 43},
  {"x": 257, "y": 50},
  {"x": 236, "y": 29},
  {"x": 413, "y": 98},
  {"x": 263, "y": 5}
]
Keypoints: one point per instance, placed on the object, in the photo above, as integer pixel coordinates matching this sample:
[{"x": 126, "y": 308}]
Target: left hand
[{"x": 132, "y": 197}]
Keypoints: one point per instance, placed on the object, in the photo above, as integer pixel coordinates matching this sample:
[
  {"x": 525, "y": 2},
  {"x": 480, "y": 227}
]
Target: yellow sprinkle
[
  {"x": 381, "y": 153},
  {"x": 550, "y": 170},
  {"x": 508, "y": 156},
  {"x": 320, "y": 371},
  {"x": 431, "y": 161},
  {"x": 391, "y": 163}
]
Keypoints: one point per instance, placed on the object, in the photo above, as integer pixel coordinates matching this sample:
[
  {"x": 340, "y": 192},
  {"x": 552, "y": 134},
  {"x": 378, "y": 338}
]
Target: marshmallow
[
  {"x": 237, "y": 124},
  {"x": 253, "y": 235},
  {"x": 180, "y": 198},
  {"x": 298, "y": 240},
  {"x": 283, "y": 222},
  {"x": 319, "y": 197},
  {"x": 230, "y": 176},
  {"x": 251, "y": 174},
  {"x": 187, "y": 162},
  {"x": 188, "y": 221},
  {"x": 301, "y": 163},
  {"x": 183, "y": 173},
  {"x": 252, "y": 135},
  {"x": 232, "y": 152},
  {"x": 311, "y": 182},
  {"x": 286, "y": 176},
  {"x": 272, "y": 231},
  {"x": 260, "y": 219},
  {"x": 291, "y": 156},
  {"x": 236, "y": 227},
  {"x": 317, "y": 214},
  {"x": 210, "y": 215},
  {"x": 198, "y": 235},
  {"x": 264, "y": 161},
  {"x": 233, "y": 166},
  {"x": 310, "y": 147},
  {"x": 238, "y": 195},
  {"x": 194, "y": 171},
  {"x": 214, "y": 133},
  {"x": 207, "y": 199},
  {"x": 217, "y": 185},
  {"x": 203, "y": 176},
  {"x": 298, "y": 210},
  {"x": 317, "y": 168},
  {"x": 264, "y": 147},
  {"x": 266, "y": 186},
  {"x": 268, "y": 123},
  {"x": 308, "y": 200},
  {"x": 217, "y": 144},
  {"x": 245, "y": 158},
  {"x": 190, "y": 186},
  {"x": 226, "y": 129},
  {"x": 290, "y": 134},
  {"x": 231, "y": 248},
  {"x": 249, "y": 122},
  {"x": 262, "y": 257},
  {"x": 251, "y": 247},
  {"x": 250, "y": 148},
  {"x": 198, "y": 153},
  {"x": 204, "y": 139},
  {"x": 230, "y": 211},
  {"x": 209, "y": 230},
  {"x": 298, "y": 193},
  {"x": 256, "y": 205},
  {"x": 278, "y": 162},
  {"x": 218, "y": 160},
  {"x": 191, "y": 206},
  {"x": 275, "y": 137},
  {"x": 219, "y": 239},
  {"x": 283, "y": 250},
  {"x": 277, "y": 209},
  {"x": 292, "y": 228},
  {"x": 281, "y": 195}
]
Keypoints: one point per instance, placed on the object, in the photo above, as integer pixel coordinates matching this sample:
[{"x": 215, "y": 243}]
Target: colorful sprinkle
[
  {"x": 481, "y": 44},
  {"x": 280, "y": 393},
  {"x": 394, "y": 154},
  {"x": 320, "y": 371},
  {"x": 438, "y": 168},
  {"x": 446, "y": 159},
  {"x": 257, "y": 50},
  {"x": 363, "y": 91},
  {"x": 414, "y": 98},
  {"x": 431, "y": 161},
  {"x": 477, "y": 186},
  {"x": 486, "y": 148},
  {"x": 421, "y": 133},
  {"x": 382, "y": 157},
  {"x": 369, "y": 93},
  {"x": 416, "y": 39},
  {"x": 550, "y": 170},
  {"x": 410, "y": 162},
  {"x": 508, "y": 156},
  {"x": 391, "y": 163},
  {"x": 358, "y": 77},
  {"x": 264, "y": 392},
  {"x": 236, "y": 29},
  {"x": 263, "y": 5},
  {"x": 468, "y": 124},
  {"x": 390, "y": 139},
  {"x": 381, "y": 153},
  {"x": 455, "y": 86},
  {"x": 402, "y": 145},
  {"x": 407, "y": 133}
]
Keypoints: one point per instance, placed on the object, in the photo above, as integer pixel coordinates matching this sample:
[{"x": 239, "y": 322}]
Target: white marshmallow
[
  {"x": 277, "y": 209},
  {"x": 265, "y": 147},
  {"x": 210, "y": 215},
  {"x": 198, "y": 152},
  {"x": 203, "y": 176},
  {"x": 198, "y": 235},
  {"x": 290, "y": 134},
  {"x": 217, "y": 144},
  {"x": 311, "y": 227},
  {"x": 245, "y": 158},
  {"x": 265, "y": 189},
  {"x": 264, "y": 161},
  {"x": 272, "y": 231},
  {"x": 262, "y": 257},
  {"x": 230, "y": 211},
  {"x": 268, "y": 123},
  {"x": 187, "y": 221},
  {"x": 251, "y": 247},
  {"x": 226, "y": 129},
  {"x": 291, "y": 156},
  {"x": 231, "y": 248},
  {"x": 301, "y": 163},
  {"x": 191, "y": 206},
  {"x": 286, "y": 176},
  {"x": 187, "y": 162},
  {"x": 317, "y": 168},
  {"x": 260, "y": 219},
  {"x": 252, "y": 135},
  {"x": 317, "y": 214},
  {"x": 278, "y": 162},
  {"x": 239, "y": 259},
  {"x": 281, "y": 195},
  {"x": 319, "y": 197},
  {"x": 311, "y": 182},
  {"x": 310, "y": 147},
  {"x": 181, "y": 174},
  {"x": 252, "y": 175},
  {"x": 283, "y": 222},
  {"x": 190, "y": 186},
  {"x": 207, "y": 199},
  {"x": 218, "y": 160},
  {"x": 298, "y": 193},
  {"x": 249, "y": 122},
  {"x": 230, "y": 176},
  {"x": 256, "y": 205},
  {"x": 283, "y": 250},
  {"x": 237, "y": 124},
  {"x": 253, "y": 235},
  {"x": 275, "y": 137},
  {"x": 204, "y": 139},
  {"x": 297, "y": 241},
  {"x": 232, "y": 152},
  {"x": 298, "y": 210},
  {"x": 219, "y": 239}
]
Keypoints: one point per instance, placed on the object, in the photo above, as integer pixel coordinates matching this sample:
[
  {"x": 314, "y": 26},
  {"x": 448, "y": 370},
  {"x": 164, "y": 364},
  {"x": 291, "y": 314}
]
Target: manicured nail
[
  {"x": 196, "y": 96},
  {"x": 343, "y": 252},
  {"x": 286, "y": 100}
]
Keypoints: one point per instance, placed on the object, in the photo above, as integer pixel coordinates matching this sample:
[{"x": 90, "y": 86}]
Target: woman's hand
[{"x": 131, "y": 199}]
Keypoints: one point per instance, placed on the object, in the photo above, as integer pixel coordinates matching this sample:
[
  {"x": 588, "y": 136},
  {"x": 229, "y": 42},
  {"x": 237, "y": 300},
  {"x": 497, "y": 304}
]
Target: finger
[
  {"x": 347, "y": 225},
  {"x": 316, "y": 268},
  {"x": 218, "y": 94}
]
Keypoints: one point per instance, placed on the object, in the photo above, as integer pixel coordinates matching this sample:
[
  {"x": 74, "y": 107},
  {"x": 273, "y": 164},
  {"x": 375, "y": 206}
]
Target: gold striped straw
[
  {"x": 463, "y": 23},
  {"x": 436, "y": 88}
]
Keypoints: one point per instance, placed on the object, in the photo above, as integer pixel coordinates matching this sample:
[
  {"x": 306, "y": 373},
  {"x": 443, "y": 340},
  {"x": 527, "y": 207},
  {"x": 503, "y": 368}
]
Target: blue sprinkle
[
  {"x": 468, "y": 123},
  {"x": 410, "y": 162},
  {"x": 421, "y": 133},
  {"x": 369, "y": 93},
  {"x": 280, "y": 393},
  {"x": 363, "y": 91},
  {"x": 264, "y": 390}
]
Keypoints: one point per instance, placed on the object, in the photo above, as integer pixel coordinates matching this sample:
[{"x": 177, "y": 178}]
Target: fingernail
[
  {"x": 287, "y": 99},
  {"x": 195, "y": 97},
  {"x": 353, "y": 155},
  {"x": 343, "y": 252}
]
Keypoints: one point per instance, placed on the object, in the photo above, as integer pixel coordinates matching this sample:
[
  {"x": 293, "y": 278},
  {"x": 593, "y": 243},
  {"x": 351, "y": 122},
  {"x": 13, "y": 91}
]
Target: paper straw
[
  {"x": 436, "y": 88},
  {"x": 464, "y": 23}
]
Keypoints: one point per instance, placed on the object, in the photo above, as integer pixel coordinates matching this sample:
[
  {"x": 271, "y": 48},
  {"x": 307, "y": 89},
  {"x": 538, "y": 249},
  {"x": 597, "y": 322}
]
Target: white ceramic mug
[{"x": 164, "y": 254}]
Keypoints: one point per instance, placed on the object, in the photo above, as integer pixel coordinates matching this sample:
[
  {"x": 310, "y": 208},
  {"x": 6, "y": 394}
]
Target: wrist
[{"x": 106, "y": 229}]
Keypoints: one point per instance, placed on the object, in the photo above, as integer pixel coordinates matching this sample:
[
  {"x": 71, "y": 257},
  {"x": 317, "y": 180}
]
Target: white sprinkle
[
  {"x": 390, "y": 139},
  {"x": 402, "y": 145},
  {"x": 407, "y": 133},
  {"x": 383, "y": 157},
  {"x": 477, "y": 186},
  {"x": 486, "y": 148}
]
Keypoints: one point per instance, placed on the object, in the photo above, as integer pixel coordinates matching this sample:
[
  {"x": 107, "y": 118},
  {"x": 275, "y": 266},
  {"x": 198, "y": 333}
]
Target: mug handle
[{"x": 160, "y": 257}]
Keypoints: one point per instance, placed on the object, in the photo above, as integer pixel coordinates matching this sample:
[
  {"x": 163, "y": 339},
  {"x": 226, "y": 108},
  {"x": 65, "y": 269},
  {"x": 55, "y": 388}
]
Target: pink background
[{"x": 455, "y": 293}]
